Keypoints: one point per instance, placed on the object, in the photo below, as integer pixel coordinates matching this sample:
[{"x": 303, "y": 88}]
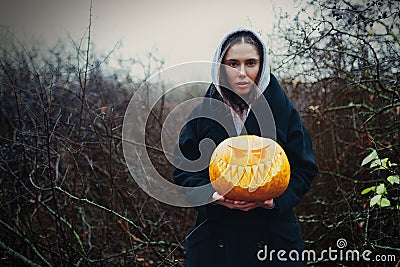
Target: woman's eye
[
  {"x": 251, "y": 63},
  {"x": 233, "y": 64}
]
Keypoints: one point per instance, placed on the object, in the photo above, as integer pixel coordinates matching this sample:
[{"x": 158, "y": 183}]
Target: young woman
[{"x": 234, "y": 232}]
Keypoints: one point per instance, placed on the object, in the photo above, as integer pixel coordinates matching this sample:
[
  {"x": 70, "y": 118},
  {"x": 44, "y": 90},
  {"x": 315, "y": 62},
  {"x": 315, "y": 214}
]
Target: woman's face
[{"x": 242, "y": 65}]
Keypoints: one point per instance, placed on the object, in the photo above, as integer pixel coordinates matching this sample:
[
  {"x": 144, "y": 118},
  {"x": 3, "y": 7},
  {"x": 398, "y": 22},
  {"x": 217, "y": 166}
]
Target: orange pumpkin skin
[{"x": 249, "y": 168}]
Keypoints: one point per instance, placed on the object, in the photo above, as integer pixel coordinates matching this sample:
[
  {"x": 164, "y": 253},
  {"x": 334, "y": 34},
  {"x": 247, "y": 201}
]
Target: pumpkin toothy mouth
[{"x": 258, "y": 174}]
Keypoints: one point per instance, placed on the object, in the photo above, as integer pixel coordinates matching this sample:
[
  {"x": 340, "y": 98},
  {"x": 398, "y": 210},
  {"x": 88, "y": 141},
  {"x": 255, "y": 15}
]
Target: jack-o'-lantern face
[{"x": 249, "y": 168}]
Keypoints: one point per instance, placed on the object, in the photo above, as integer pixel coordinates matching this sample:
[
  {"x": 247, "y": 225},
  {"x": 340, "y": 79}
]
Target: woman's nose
[{"x": 242, "y": 70}]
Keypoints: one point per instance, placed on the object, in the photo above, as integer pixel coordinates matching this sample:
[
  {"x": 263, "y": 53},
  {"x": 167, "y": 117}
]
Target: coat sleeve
[
  {"x": 298, "y": 148},
  {"x": 189, "y": 146}
]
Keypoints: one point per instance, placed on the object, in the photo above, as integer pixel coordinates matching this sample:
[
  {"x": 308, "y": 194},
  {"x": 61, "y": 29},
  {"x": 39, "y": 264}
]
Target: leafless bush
[
  {"x": 340, "y": 61},
  {"x": 67, "y": 197}
]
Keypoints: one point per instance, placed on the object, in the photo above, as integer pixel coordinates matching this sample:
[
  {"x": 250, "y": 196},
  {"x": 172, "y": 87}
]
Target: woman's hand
[
  {"x": 267, "y": 204},
  {"x": 241, "y": 205}
]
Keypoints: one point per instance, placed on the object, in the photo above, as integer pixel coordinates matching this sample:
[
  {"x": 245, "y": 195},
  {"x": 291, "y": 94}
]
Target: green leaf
[
  {"x": 367, "y": 190},
  {"x": 394, "y": 179},
  {"x": 383, "y": 163},
  {"x": 381, "y": 189},
  {"x": 372, "y": 156},
  {"x": 384, "y": 202},
  {"x": 392, "y": 164},
  {"x": 375, "y": 200},
  {"x": 376, "y": 163}
]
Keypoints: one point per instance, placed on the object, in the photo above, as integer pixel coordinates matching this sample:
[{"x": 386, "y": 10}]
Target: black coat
[{"x": 225, "y": 237}]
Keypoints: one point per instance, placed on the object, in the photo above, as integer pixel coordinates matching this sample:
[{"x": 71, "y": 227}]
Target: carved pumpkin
[{"x": 249, "y": 168}]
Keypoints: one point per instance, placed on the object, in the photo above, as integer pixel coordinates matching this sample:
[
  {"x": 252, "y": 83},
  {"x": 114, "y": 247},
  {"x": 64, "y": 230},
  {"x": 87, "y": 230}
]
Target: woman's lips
[{"x": 242, "y": 84}]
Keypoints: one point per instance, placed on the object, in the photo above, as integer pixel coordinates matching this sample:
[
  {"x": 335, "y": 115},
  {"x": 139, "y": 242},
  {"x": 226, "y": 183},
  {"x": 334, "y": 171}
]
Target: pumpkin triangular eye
[
  {"x": 240, "y": 153},
  {"x": 259, "y": 150},
  {"x": 237, "y": 148},
  {"x": 237, "y": 152},
  {"x": 256, "y": 150}
]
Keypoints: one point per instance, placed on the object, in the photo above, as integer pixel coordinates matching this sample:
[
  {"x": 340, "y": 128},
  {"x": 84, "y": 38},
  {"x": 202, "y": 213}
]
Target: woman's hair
[{"x": 234, "y": 100}]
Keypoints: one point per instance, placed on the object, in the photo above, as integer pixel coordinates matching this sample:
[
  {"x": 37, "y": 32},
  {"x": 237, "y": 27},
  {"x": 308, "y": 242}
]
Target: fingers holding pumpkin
[
  {"x": 267, "y": 204},
  {"x": 234, "y": 204},
  {"x": 218, "y": 197},
  {"x": 240, "y": 206}
]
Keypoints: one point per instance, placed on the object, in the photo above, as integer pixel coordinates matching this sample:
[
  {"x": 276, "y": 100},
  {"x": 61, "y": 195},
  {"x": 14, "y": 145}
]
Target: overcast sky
[{"x": 182, "y": 31}]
